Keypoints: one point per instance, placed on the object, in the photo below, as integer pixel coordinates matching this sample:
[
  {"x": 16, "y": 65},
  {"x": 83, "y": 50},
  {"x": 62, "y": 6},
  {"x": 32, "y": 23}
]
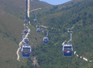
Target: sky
[{"x": 55, "y": 2}]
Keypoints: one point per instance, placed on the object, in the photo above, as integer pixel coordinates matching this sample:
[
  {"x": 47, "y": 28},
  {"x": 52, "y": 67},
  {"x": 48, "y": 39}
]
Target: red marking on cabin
[
  {"x": 65, "y": 51},
  {"x": 24, "y": 52}
]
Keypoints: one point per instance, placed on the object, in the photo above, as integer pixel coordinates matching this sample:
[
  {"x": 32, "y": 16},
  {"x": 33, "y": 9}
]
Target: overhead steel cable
[
  {"x": 24, "y": 43},
  {"x": 34, "y": 12}
]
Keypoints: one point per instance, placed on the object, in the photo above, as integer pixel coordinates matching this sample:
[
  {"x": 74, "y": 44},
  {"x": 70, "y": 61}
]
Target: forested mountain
[
  {"x": 11, "y": 26},
  {"x": 76, "y": 14},
  {"x": 17, "y": 8}
]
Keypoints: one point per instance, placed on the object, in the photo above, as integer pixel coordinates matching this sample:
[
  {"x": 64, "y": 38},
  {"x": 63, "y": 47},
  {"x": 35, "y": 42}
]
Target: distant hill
[{"x": 18, "y": 7}]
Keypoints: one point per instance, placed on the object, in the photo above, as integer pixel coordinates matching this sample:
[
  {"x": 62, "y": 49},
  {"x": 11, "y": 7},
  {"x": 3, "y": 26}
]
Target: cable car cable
[
  {"x": 23, "y": 46},
  {"x": 35, "y": 20},
  {"x": 70, "y": 37}
]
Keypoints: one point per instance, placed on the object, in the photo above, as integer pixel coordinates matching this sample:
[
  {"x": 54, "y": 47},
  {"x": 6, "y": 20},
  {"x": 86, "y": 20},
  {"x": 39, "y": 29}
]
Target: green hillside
[
  {"x": 10, "y": 35},
  {"x": 17, "y": 8},
  {"x": 11, "y": 26},
  {"x": 76, "y": 14}
]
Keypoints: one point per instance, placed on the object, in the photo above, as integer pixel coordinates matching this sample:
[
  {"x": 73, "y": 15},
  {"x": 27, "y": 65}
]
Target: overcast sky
[{"x": 55, "y": 2}]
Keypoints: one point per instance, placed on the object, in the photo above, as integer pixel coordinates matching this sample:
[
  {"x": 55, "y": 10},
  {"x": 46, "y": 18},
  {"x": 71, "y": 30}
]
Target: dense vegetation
[
  {"x": 76, "y": 14},
  {"x": 11, "y": 26}
]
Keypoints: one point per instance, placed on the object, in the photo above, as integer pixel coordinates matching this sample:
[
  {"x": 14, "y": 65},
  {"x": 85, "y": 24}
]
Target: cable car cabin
[
  {"x": 25, "y": 31},
  {"x": 33, "y": 11},
  {"x": 25, "y": 40},
  {"x": 67, "y": 50},
  {"x": 45, "y": 40},
  {"x": 38, "y": 30},
  {"x": 25, "y": 20},
  {"x": 26, "y": 51},
  {"x": 35, "y": 20}
]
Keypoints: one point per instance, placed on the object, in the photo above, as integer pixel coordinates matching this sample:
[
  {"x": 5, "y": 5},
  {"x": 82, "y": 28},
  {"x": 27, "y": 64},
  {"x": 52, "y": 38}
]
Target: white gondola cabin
[
  {"x": 26, "y": 51},
  {"x": 25, "y": 40},
  {"x": 45, "y": 40},
  {"x": 67, "y": 50}
]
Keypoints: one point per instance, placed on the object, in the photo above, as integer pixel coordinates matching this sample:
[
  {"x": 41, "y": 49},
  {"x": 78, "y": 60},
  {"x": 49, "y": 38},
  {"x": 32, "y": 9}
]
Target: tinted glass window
[
  {"x": 26, "y": 49},
  {"x": 68, "y": 48}
]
